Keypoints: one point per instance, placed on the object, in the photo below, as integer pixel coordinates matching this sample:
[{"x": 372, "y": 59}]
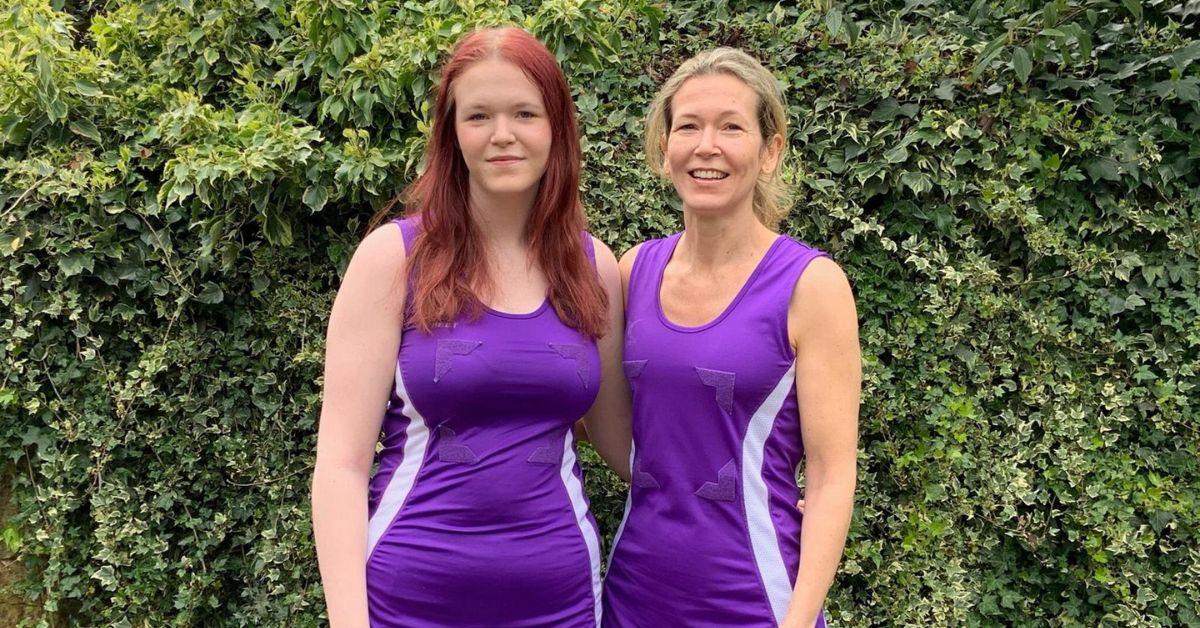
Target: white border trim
[
  {"x": 767, "y": 553},
  {"x": 579, "y": 504},
  {"x": 404, "y": 477}
]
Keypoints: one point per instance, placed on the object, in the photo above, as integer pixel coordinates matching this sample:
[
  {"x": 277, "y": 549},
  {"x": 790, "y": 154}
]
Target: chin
[
  {"x": 502, "y": 188},
  {"x": 708, "y": 206}
]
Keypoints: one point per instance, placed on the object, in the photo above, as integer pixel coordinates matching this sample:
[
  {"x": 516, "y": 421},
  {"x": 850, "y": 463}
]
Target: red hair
[{"x": 447, "y": 257}]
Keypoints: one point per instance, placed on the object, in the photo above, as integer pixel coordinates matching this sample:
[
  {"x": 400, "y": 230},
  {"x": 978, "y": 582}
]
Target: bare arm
[
  {"x": 360, "y": 357},
  {"x": 626, "y": 268},
  {"x": 608, "y": 420},
  {"x": 823, "y": 326}
]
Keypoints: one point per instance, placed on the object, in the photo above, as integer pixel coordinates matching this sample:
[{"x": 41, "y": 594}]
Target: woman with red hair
[{"x": 474, "y": 331}]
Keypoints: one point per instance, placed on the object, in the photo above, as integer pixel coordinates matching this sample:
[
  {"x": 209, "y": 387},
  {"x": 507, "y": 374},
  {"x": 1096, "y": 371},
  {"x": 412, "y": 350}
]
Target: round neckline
[
  {"x": 541, "y": 308},
  {"x": 662, "y": 315}
]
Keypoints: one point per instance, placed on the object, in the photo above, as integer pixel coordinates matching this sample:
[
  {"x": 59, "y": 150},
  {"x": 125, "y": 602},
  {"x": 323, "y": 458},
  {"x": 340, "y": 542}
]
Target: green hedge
[{"x": 1012, "y": 188}]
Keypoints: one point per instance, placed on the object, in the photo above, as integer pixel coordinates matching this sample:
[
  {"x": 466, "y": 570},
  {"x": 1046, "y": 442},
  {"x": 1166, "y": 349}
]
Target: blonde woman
[{"x": 741, "y": 349}]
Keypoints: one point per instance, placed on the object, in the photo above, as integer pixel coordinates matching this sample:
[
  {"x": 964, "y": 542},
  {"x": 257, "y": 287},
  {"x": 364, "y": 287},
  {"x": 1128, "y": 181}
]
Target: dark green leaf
[
  {"x": 987, "y": 55},
  {"x": 278, "y": 230},
  {"x": 211, "y": 294},
  {"x": 1050, "y": 13},
  {"x": 833, "y": 22},
  {"x": 1134, "y": 7},
  {"x": 1103, "y": 169},
  {"x": 1021, "y": 64},
  {"x": 1184, "y": 57},
  {"x": 85, "y": 128}
]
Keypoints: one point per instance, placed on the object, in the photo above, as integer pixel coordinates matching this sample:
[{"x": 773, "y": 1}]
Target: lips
[{"x": 504, "y": 159}]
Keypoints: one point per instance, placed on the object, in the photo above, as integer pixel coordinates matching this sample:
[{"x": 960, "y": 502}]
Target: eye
[
  {"x": 476, "y": 117},
  {"x": 733, "y": 126},
  {"x": 526, "y": 114},
  {"x": 686, "y": 126}
]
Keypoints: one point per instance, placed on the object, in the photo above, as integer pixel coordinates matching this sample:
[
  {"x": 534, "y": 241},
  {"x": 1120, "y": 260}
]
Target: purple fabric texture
[
  {"x": 725, "y": 488},
  {"x": 715, "y": 539},
  {"x": 446, "y": 350},
  {"x": 550, "y": 453},
  {"x": 463, "y": 530},
  {"x": 642, "y": 479},
  {"x": 449, "y": 451},
  {"x": 722, "y": 382},
  {"x": 578, "y": 355},
  {"x": 633, "y": 368}
]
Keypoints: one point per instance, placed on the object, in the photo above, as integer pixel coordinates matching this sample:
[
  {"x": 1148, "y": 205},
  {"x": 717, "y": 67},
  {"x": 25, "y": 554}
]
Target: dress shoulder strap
[
  {"x": 647, "y": 269},
  {"x": 408, "y": 229},
  {"x": 789, "y": 263},
  {"x": 589, "y": 247},
  {"x": 770, "y": 294}
]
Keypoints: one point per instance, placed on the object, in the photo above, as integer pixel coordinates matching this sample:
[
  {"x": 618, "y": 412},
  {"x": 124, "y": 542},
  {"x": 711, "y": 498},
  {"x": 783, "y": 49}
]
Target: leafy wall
[{"x": 1012, "y": 188}]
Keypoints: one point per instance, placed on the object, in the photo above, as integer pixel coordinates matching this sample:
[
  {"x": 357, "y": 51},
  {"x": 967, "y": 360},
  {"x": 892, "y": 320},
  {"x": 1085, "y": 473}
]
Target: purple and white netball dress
[
  {"x": 711, "y": 534},
  {"x": 477, "y": 510}
]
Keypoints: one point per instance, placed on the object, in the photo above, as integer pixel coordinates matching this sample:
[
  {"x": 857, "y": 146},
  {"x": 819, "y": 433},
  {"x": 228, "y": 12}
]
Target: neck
[
  {"x": 714, "y": 241},
  {"x": 502, "y": 218}
]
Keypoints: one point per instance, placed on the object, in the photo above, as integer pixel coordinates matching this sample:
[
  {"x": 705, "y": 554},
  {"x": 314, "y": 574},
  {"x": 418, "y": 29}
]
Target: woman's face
[
  {"x": 502, "y": 129},
  {"x": 715, "y": 151}
]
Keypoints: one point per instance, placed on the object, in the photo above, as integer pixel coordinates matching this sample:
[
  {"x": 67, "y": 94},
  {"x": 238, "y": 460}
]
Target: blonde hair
[{"x": 772, "y": 199}]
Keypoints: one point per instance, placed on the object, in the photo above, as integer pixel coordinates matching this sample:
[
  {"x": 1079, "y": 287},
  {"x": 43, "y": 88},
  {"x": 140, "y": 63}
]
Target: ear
[
  {"x": 771, "y": 152},
  {"x": 662, "y": 150}
]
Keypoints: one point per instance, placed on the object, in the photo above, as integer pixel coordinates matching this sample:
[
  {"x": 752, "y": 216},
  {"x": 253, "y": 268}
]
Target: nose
[
  {"x": 502, "y": 133},
  {"x": 708, "y": 142}
]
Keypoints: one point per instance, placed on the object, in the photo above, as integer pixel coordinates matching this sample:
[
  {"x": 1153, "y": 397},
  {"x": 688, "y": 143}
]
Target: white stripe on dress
[
  {"x": 405, "y": 475},
  {"x": 763, "y": 539},
  {"x": 579, "y": 504},
  {"x": 628, "y": 505}
]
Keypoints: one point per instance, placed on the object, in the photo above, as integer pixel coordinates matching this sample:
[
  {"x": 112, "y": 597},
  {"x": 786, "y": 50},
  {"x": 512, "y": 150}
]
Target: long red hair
[{"x": 447, "y": 257}]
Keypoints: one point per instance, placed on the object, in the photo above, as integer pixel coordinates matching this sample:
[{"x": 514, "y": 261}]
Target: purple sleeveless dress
[
  {"x": 477, "y": 510},
  {"x": 711, "y": 533}
]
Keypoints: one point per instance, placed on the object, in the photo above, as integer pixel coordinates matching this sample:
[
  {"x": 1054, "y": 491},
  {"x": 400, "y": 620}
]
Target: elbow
[
  {"x": 840, "y": 475},
  {"x": 338, "y": 476},
  {"x": 623, "y": 473}
]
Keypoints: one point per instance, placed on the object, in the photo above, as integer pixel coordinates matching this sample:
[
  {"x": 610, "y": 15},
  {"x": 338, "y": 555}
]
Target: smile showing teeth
[{"x": 708, "y": 174}]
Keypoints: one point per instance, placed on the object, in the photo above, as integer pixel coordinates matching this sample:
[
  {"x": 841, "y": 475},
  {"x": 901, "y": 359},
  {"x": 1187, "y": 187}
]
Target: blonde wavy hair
[{"x": 772, "y": 199}]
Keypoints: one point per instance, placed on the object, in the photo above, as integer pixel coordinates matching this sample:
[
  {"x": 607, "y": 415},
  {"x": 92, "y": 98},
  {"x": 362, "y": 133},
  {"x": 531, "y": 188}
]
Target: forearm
[
  {"x": 611, "y": 437},
  {"x": 339, "y": 512},
  {"x": 829, "y": 505}
]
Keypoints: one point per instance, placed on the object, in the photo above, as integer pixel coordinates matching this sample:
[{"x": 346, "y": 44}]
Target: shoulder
[
  {"x": 818, "y": 273},
  {"x": 373, "y": 285},
  {"x": 382, "y": 249},
  {"x": 626, "y": 263},
  {"x": 822, "y": 301},
  {"x": 795, "y": 248},
  {"x": 377, "y": 268},
  {"x": 603, "y": 252},
  {"x": 630, "y": 256},
  {"x": 609, "y": 274},
  {"x": 822, "y": 279},
  {"x": 606, "y": 262}
]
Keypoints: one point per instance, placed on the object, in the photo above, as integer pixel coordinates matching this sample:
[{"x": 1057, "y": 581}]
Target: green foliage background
[{"x": 1012, "y": 187}]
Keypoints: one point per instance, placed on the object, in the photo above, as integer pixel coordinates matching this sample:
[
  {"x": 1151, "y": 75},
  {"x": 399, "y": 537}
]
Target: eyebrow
[
  {"x": 722, "y": 114},
  {"x": 520, "y": 105}
]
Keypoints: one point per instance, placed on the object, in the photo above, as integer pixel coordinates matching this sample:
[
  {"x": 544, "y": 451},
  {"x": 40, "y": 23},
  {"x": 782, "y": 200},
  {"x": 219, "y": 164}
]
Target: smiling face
[
  {"x": 715, "y": 151},
  {"x": 502, "y": 129}
]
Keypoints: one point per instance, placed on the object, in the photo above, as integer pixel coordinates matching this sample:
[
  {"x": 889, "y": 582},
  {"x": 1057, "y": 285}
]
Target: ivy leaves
[{"x": 1011, "y": 188}]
